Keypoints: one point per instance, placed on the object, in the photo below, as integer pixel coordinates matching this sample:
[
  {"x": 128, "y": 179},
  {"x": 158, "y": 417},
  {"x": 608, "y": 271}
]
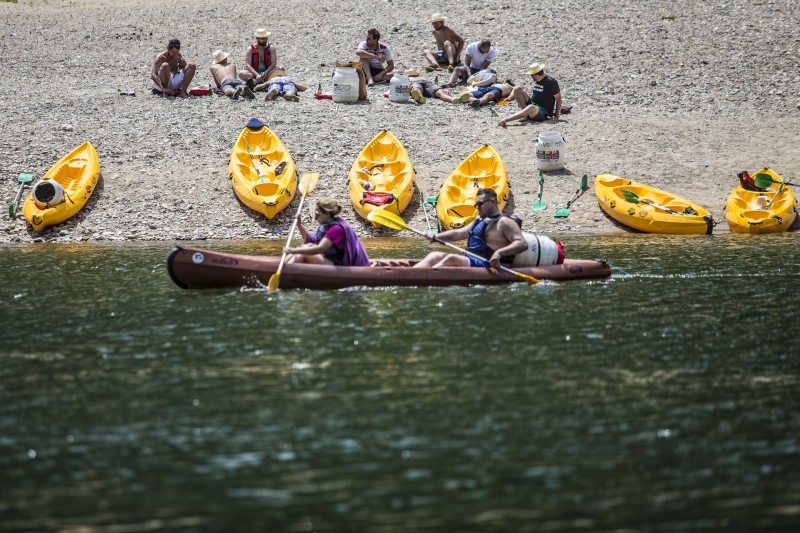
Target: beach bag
[{"x": 362, "y": 78}]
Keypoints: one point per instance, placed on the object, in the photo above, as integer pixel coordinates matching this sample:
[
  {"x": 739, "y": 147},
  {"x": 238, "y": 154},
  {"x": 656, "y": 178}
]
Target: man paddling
[{"x": 492, "y": 235}]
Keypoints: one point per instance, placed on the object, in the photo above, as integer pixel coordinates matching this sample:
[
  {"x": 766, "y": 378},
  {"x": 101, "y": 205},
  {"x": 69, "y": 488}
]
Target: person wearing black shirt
[{"x": 545, "y": 102}]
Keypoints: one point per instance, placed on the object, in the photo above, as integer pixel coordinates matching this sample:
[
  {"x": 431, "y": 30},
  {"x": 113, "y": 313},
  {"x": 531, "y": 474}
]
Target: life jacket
[
  {"x": 476, "y": 241},
  {"x": 254, "y": 56},
  {"x": 334, "y": 254}
]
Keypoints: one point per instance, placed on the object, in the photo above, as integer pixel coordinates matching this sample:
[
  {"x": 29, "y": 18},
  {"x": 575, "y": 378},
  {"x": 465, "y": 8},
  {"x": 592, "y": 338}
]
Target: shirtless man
[
  {"x": 224, "y": 75},
  {"x": 261, "y": 59},
  {"x": 493, "y": 93},
  {"x": 449, "y": 45},
  {"x": 492, "y": 236},
  {"x": 171, "y": 74},
  {"x": 279, "y": 84},
  {"x": 373, "y": 55},
  {"x": 422, "y": 89}
]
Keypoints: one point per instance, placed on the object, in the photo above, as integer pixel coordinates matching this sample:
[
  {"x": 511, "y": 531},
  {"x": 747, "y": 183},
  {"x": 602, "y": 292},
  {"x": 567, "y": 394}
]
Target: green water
[{"x": 666, "y": 400}]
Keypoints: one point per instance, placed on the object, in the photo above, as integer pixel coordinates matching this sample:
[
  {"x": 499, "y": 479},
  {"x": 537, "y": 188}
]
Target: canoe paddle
[
  {"x": 425, "y": 210},
  {"x": 774, "y": 196},
  {"x": 253, "y": 159},
  {"x": 632, "y": 198},
  {"x": 764, "y": 180},
  {"x": 307, "y": 184},
  {"x": 22, "y": 179},
  {"x": 539, "y": 205},
  {"x": 563, "y": 212},
  {"x": 390, "y": 220}
]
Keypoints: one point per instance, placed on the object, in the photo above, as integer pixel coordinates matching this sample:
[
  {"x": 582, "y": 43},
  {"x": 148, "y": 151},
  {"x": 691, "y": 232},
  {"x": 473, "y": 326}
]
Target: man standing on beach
[
  {"x": 171, "y": 74},
  {"x": 261, "y": 59},
  {"x": 479, "y": 56},
  {"x": 224, "y": 74},
  {"x": 545, "y": 102},
  {"x": 449, "y": 45},
  {"x": 373, "y": 55}
]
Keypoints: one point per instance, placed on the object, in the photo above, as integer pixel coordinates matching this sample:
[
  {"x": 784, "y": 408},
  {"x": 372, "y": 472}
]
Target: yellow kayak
[
  {"x": 648, "y": 209},
  {"x": 483, "y": 169},
  {"x": 263, "y": 174},
  {"x": 64, "y": 189},
  {"x": 382, "y": 176},
  {"x": 770, "y": 211}
]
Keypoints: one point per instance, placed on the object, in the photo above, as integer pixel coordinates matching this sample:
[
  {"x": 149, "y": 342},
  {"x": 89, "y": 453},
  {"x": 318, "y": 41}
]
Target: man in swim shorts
[
  {"x": 545, "y": 102},
  {"x": 421, "y": 89},
  {"x": 448, "y": 42},
  {"x": 373, "y": 55},
  {"x": 494, "y": 93},
  {"x": 260, "y": 59},
  {"x": 225, "y": 76},
  {"x": 171, "y": 74},
  {"x": 279, "y": 84}
]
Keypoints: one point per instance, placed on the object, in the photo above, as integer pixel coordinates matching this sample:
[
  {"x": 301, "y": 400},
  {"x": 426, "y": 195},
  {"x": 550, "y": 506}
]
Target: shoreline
[{"x": 672, "y": 110}]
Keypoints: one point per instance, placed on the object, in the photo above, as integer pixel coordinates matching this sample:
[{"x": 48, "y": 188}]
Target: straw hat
[
  {"x": 261, "y": 33},
  {"x": 219, "y": 56},
  {"x": 535, "y": 68},
  {"x": 437, "y": 17}
]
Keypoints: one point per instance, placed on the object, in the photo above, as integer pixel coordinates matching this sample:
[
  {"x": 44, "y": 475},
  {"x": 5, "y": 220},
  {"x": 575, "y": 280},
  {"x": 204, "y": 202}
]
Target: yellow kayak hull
[
  {"x": 258, "y": 181},
  {"x": 745, "y": 213},
  {"x": 644, "y": 217},
  {"x": 77, "y": 173},
  {"x": 483, "y": 169},
  {"x": 383, "y": 164}
]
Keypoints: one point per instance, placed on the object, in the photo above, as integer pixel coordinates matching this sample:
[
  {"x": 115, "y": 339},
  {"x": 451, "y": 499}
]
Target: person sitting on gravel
[
  {"x": 449, "y": 45},
  {"x": 421, "y": 89},
  {"x": 279, "y": 84},
  {"x": 545, "y": 102},
  {"x": 479, "y": 56},
  {"x": 225, "y": 76},
  {"x": 373, "y": 55},
  {"x": 261, "y": 59},
  {"x": 480, "y": 96},
  {"x": 171, "y": 74}
]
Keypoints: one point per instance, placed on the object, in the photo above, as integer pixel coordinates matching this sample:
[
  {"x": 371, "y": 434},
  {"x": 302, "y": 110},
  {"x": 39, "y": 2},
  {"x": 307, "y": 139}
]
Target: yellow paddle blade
[
  {"x": 388, "y": 219},
  {"x": 529, "y": 279},
  {"x": 308, "y": 182},
  {"x": 274, "y": 281}
]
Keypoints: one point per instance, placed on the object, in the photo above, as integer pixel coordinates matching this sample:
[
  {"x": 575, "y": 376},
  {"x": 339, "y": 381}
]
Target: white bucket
[
  {"x": 345, "y": 85},
  {"x": 47, "y": 193},
  {"x": 399, "y": 88},
  {"x": 542, "y": 251},
  {"x": 550, "y": 150}
]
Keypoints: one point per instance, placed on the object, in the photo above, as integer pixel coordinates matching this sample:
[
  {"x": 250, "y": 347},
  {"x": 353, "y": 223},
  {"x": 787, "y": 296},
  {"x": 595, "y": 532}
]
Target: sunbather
[
  {"x": 225, "y": 76},
  {"x": 280, "y": 84}
]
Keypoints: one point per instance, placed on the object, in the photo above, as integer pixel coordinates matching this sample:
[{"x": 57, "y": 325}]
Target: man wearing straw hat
[
  {"x": 449, "y": 45},
  {"x": 260, "y": 59},
  {"x": 545, "y": 102},
  {"x": 225, "y": 76},
  {"x": 171, "y": 74}
]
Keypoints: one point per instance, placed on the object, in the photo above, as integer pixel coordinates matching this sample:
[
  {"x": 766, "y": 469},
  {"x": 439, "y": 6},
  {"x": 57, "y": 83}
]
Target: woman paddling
[{"x": 334, "y": 243}]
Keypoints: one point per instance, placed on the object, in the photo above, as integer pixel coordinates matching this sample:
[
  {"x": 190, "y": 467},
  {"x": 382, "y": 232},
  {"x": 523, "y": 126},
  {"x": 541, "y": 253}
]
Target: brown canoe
[{"x": 193, "y": 268}]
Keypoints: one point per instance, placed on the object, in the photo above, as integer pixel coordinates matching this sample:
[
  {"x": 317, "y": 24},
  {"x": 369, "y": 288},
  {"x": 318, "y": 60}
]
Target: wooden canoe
[
  {"x": 483, "y": 169},
  {"x": 745, "y": 210},
  {"x": 686, "y": 217},
  {"x": 263, "y": 173},
  {"x": 383, "y": 165},
  {"x": 77, "y": 174},
  {"x": 193, "y": 268}
]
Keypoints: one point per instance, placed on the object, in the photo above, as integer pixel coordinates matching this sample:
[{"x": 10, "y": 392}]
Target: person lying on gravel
[
  {"x": 225, "y": 76},
  {"x": 171, "y": 74},
  {"x": 421, "y": 89},
  {"x": 480, "y": 96},
  {"x": 280, "y": 84},
  {"x": 448, "y": 42},
  {"x": 545, "y": 102},
  {"x": 260, "y": 60},
  {"x": 373, "y": 55},
  {"x": 479, "y": 56}
]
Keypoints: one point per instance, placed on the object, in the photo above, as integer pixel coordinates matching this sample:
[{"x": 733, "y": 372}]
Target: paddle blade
[
  {"x": 11, "y": 208},
  {"x": 25, "y": 178},
  {"x": 629, "y": 196},
  {"x": 308, "y": 182},
  {"x": 562, "y": 212},
  {"x": 274, "y": 281},
  {"x": 764, "y": 180},
  {"x": 585, "y": 182},
  {"x": 529, "y": 279},
  {"x": 388, "y": 219},
  {"x": 539, "y": 206}
]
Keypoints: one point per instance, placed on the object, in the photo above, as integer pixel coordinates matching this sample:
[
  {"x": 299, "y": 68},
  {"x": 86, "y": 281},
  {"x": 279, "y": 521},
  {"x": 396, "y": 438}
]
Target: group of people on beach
[{"x": 468, "y": 63}]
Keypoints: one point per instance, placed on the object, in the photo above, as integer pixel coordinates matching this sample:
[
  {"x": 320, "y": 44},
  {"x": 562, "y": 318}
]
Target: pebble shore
[{"x": 679, "y": 95}]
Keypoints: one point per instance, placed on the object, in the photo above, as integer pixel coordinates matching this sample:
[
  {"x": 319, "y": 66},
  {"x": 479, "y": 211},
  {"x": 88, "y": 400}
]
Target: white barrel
[
  {"x": 550, "y": 150},
  {"x": 542, "y": 251},
  {"x": 47, "y": 193},
  {"x": 399, "y": 88},
  {"x": 345, "y": 85}
]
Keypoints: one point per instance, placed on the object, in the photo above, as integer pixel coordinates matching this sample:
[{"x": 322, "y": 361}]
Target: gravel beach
[{"x": 680, "y": 95}]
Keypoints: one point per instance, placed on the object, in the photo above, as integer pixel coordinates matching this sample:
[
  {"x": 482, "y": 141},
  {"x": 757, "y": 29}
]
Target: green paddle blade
[
  {"x": 585, "y": 182},
  {"x": 25, "y": 178},
  {"x": 561, "y": 212},
  {"x": 764, "y": 180},
  {"x": 630, "y": 196}
]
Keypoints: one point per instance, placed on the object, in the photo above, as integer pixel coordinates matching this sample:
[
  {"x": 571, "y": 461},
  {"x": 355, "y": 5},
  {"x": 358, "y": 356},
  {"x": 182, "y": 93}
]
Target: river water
[{"x": 662, "y": 399}]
